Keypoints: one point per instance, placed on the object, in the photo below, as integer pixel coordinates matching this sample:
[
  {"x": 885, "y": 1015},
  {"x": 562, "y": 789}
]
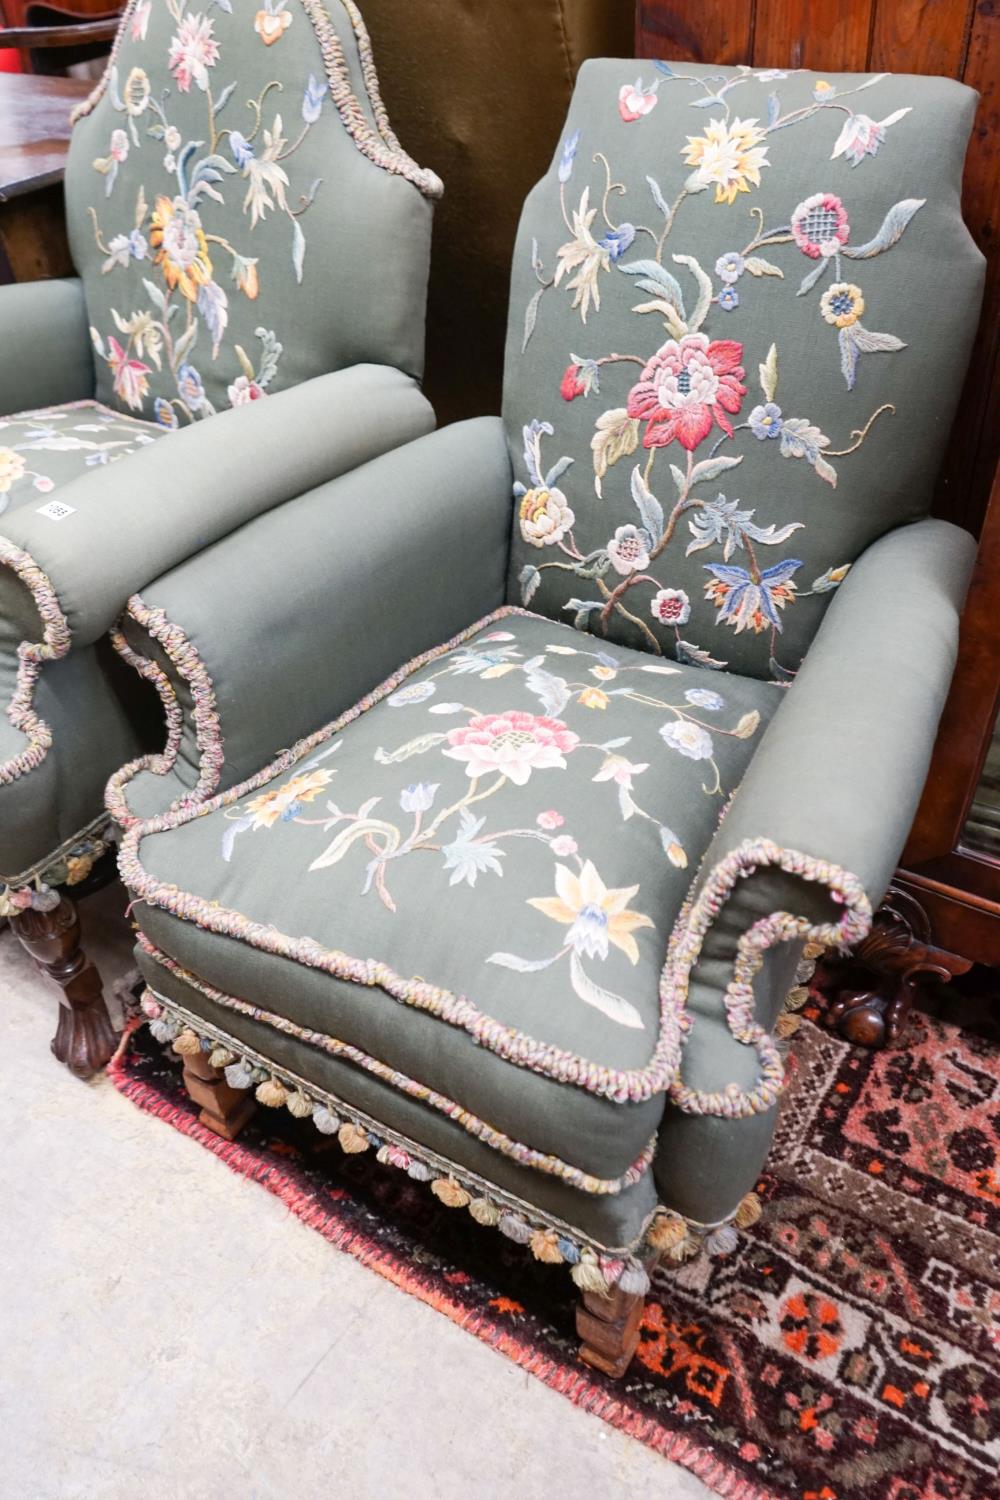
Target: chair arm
[
  {"x": 82, "y": 34},
  {"x": 133, "y": 521},
  {"x": 46, "y": 356},
  {"x": 348, "y": 582},
  {"x": 810, "y": 841}
]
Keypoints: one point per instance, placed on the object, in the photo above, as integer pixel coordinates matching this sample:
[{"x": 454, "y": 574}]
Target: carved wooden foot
[
  {"x": 85, "y": 1039},
  {"x": 869, "y": 994},
  {"x": 223, "y": 1109},
  {"x": 608, "y": 1327}
]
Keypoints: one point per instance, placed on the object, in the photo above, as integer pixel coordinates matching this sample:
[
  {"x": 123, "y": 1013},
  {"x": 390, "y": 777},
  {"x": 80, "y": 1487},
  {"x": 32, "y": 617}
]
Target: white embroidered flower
[
  {"x": 596, "y": 915},
  {"x": 545, "y": 516},
  {"x": 688, "y": 739},
  {"x": 192, "y": 52},
  {"x": 629, "y": 548}
]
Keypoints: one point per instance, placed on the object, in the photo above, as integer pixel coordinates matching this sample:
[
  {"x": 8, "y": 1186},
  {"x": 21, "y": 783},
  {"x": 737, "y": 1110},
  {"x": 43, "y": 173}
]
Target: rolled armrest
[
  {"x": 260, "y": 640},
  {"x": 810, "y": 841},
  {"x": 46, "y": 357},
  {"x": 137, "y": 519}
]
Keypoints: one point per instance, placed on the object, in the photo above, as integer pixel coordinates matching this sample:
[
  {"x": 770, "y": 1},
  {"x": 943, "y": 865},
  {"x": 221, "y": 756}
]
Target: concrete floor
[{"x": 170, "y": 1331}]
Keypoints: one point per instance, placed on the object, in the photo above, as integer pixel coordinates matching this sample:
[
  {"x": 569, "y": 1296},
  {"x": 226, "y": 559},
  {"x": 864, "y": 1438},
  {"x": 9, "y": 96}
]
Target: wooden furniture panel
[
  {"x": 709, "y": 33},
  {"x": 831, "y": 35}
]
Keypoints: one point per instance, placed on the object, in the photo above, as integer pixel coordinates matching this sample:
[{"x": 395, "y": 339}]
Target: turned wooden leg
[
  {"x": 869, "y": 994},
  {"x": 85, "y": 1039},
  {"x": 608, "y": 1327},
  {"x": 223, "y": 1109}
]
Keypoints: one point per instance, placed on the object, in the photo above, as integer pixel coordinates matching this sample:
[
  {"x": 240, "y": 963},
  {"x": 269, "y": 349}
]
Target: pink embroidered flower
[
  {"x": 687, "y": 386},
  {"x": 118, "y": 149},
  {"x": 513, "y": 743},
  {"x": 862, "y": 136},
  {"x": 129, "y": 375},
  {"x": 550, "y": 820},
  {"x": 192, "y": 52},
  {"x": 819, "y": 225},
  {"x": 563, "y": 846},
  {"x": 243, "y": 391},
  {"x": 670, "y": 607},
  {"x": 634, "y": 101}
]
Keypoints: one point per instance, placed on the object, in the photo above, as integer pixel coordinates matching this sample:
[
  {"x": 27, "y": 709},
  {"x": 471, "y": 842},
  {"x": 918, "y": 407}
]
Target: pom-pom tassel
[
  {"x": 419, "y": 1171},
  {"x": 299, "y": 1105},
  {"x": 450, "y": 1192},
  {"x": 796, "y": 997},
  {"x": 588, "y": 1275},
  {"x": 749, "y": 1211},
  {"x": 514, "y": 1228},
  {"x": 666, "y": 1231},
  {"x": 221, "y": 1057},
  {"x": 787, "y": 1025},
  {"x": 484, "y": 1212},
  {"x": 545, "y": 1247},
  {"x": 164, "y": 1030},
  {"x": 634, "y": 1279},
  {"x": 238, "y": 1076},
  {"x": 271, "y": 1092},
  {"x": 325, "y": 1122},
  {"x": 352, "y": 1139},
  {"x": 722, "y": 1241}
]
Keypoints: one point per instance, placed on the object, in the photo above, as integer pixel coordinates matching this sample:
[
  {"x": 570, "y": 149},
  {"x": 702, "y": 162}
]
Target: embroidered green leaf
[
  {"x": 245, "y": 364},
  {"x": 270, "y": 354},
  {"x": 529, "y": 578},
  {"x": 224, "y": 97},
  {"x": 650, "y": 509},
  {"x": 876, "y": 343},
  {"x": 551, "y": 691},
  {"x": 155, "y": 295},
  {"x": 679, "y": 478},
  {"x": 825, "y": 470},
  {"x": 696, "y": 656},
  {"x": 711, "y": 468},
  {"x": 582, "y": 610},
  {"x": 616, "y": 436},
  {"x": 768, "y": 372},
  {"x": 704, "y": 291},
  {"x": 521, "y": 965},
  {"x": 811, "y": 277},
  {"x": 658, "y": 198},
  {"x": 748, "y": 725},
  {"x": 757, "y": 266},
  {"x": 658, "y": 280},
  {"x": 140, "y": 207},
  {"x": 675, "y": 327},
  {"x": 615, "y": 1007},
  {"x": 893, "y": 226},
  {"x": 185, "y": 344},
  {"x": 361, "y": 828},
  {"x": 298, "y": 249},
  {"x": 531, "y": 317},
  {"x": 779, "y": 673},
  {"x": 419, "y": 746}
]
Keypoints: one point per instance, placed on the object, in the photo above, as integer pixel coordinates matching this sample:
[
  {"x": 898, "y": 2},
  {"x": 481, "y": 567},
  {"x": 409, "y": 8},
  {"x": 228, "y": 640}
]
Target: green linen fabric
[
  {"x": 515, "y": 823},
  {"x": 313, "y": 650},
  {"x": 615, "y": 1221},
  {"x": 47, "y": 357},
  {"x": 138, "y": 519},
  {"x": 837, "y": 775},
  {"x": 43, "y": 450},
  {"x": 100, "y": 717},
  {"x": 741, "y": 311},
  {"x": 239, "y": 211}
]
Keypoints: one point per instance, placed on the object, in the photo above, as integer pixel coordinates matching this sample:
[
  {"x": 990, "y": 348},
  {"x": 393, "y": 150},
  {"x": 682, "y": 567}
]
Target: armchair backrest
[
  {"x": 240, "y": 211},
  {"x": 741, "y": 311}
]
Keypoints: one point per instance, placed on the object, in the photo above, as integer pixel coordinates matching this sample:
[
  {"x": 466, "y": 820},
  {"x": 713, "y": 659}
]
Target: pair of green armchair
[{"x": 498, "y": 835}]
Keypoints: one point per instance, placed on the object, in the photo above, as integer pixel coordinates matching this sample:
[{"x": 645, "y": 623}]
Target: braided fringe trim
[
  {"x": 622, "y": 1086},
  {"x": 668, "y": 1235},
  {"x": 380, "y": 146},
  {"x": 67, "y": 865},
  {"x": 525, "y": 1156},
  {"x": 208, "y": 734},
  {"x": 32, "y": 655}
]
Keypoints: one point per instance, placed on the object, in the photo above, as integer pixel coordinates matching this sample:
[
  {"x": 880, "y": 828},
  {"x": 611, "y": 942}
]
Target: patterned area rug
[{"x": 848, "y": 1350}]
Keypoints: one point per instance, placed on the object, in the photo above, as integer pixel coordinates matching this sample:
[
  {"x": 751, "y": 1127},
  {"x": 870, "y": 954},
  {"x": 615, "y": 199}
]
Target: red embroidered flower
[
  {"x": 819, "y": 225},
  {"x": 685, "y": 387},
  {"x": 572, "y": 385}
]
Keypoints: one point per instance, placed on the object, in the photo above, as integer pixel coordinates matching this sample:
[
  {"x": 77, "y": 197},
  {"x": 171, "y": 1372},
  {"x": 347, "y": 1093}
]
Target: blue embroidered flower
[
  {"x": 481, "y": 662},
  {"x": 466, "y": 857},
  {"x": 745, "y": 602},
  {"x": 189, "y": 384},
  {"x": 241, "y": 148},
  {"x": 729, "y": 299},
  {"x": 765, "y": 421},
  {"x": 705, "y": 698},
  {"x": 164, "y": 413},
  {"x": 568, "y": 153},
  {"x": 730, "y": 267},
  {"x": 617, "y": 241},
  {"x": 312, "y": 101},
  {"x": 137, "y": 245},
  {"x": 419, "y": 797}
]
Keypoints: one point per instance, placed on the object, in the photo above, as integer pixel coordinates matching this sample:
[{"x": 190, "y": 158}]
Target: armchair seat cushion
[
  {"x": 464, "y": 888},
  {"x": 40, "y": 451}
]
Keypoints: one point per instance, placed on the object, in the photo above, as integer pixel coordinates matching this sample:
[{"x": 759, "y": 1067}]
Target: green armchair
[
  {"x": 246, "y": 226},
  {"x": 530, "y": 915}
]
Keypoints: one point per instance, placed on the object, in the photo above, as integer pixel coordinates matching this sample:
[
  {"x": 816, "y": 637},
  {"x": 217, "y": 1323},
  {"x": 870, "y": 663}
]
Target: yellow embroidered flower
[
  {"x": 592, "y": 697},
  {"x": 182, "y": 251},
  {"x": 843, "y": 304},
  {"x": 603, "y": 674},
  {"x": 595, "y": 915},
  {"x": 11, "y": 469},
  {"x": 135, "y": 94},
  {"x": 281, "y": 802},
  {"x": 729, "y": 156}
]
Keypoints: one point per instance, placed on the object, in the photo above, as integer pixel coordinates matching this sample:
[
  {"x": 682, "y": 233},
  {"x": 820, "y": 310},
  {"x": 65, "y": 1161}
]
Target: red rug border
[{"x": 576, "y": 1386}]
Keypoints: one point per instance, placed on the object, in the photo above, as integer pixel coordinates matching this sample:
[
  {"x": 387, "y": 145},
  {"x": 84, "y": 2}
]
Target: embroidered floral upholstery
[
  {"x": 516, "y": 822},
  {"x": 207, "y": 193},
  {"x": 42, "y": 450},
  {"x": 741, "y": 311}
]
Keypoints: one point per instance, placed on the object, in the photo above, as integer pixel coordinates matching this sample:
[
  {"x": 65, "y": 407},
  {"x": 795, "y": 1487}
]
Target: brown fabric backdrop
[{"x": 478, "y": 90}]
